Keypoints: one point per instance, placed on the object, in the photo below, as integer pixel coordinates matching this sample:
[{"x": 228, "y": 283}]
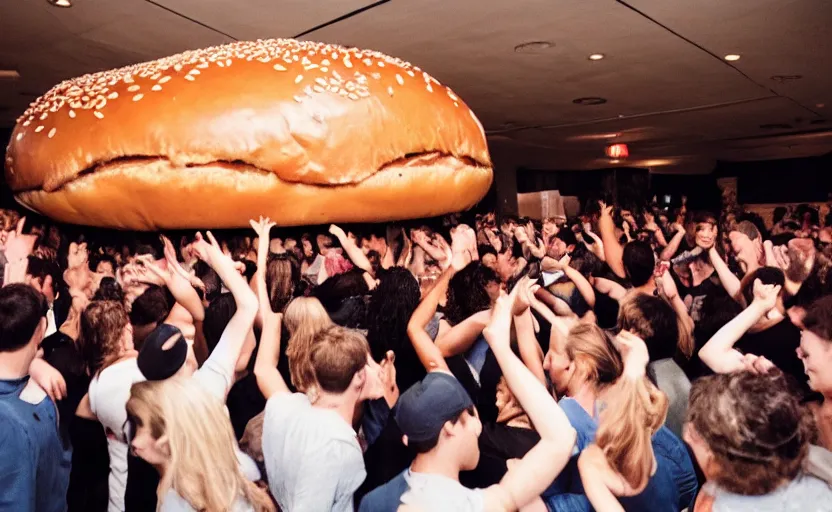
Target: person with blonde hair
[
  {"x": 184, "y": 432},
  {"x": 304, "y": 318},
  {"x": 610, "y": 403}
]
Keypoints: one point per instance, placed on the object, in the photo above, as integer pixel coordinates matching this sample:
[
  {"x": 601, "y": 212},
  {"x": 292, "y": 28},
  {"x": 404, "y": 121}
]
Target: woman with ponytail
[{"x": 618, "y": 415}]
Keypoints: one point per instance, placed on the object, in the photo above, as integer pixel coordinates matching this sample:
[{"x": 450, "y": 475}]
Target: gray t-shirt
[
  {"x": 175, "y": 503},
  {"x": 437, "y": 493},
  {"x": 312, "y": 456},
  {"x": 673, "y": 382},
  {"x": 803, "y": 494}
]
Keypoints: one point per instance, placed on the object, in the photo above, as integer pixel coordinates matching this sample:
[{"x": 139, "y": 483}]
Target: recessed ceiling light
[
  {"x": 592, "y": 100},
  {"x": 9, "y": 74},
  {"x": 731, "y": 57},
  {"x": 596, "y": 56},
  {"x": 534, "y": 47},
  {"x": 60, "y": 3},
  {"x": 820, "y": 105}
]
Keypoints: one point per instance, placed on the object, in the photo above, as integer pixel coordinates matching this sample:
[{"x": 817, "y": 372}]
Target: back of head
[
  {"x": 109, "y": 289},
  {"x": 654, "y": 320},
  {"x": 151, "y": 307},
  {"x": 336, "y": 355},
  {"x": 755, "y": 427},
  {"x": 304, "y": 317},
  {"x": 336, "y": 289},
  {"x": 101, "y": 333},
  {"x": 203, "y": 467},
  {"x": 594, "y": 355},
  {"x": 748, "y": 229},
  {"x": 639, "y": 262},
  {"x": 391, "y": 306},
  {"x": 281, "y": 276},
  {"x": 467, "y": 292},
  {"x": 766, "y": 275},
  {"x": 217, "y": 316},
  {"x": 21, "y": 309}
]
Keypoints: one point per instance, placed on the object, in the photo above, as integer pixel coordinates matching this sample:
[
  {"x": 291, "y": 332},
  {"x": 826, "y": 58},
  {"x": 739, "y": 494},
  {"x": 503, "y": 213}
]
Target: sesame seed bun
[{"x": 303, "y": 132}]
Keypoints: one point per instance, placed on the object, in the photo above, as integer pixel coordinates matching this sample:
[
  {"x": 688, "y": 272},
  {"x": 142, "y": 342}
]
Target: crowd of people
[{"x": 631, "y": 358}]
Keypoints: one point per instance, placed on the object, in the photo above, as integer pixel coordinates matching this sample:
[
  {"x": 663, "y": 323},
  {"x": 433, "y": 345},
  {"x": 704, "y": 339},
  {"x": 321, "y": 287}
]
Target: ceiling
[{"x": 670, "y": 94}]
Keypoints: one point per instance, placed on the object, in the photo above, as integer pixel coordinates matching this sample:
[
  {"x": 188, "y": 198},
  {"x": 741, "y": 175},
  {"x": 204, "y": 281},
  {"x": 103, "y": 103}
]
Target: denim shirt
[
  {"x": 672, "y": 488},
  {"x": 34, "y": 468}
]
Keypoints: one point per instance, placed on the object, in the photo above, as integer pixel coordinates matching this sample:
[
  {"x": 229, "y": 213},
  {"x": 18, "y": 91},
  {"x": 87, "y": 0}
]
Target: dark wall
[{"x": 798, "y": 180}]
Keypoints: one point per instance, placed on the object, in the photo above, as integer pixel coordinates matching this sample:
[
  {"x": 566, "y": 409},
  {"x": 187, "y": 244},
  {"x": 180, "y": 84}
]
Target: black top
[
  {"x": 779, "y": 345},
  {"x": 498, "y": 443}
]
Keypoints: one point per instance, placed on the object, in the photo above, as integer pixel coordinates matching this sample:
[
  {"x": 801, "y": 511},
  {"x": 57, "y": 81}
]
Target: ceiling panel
[
  {"x": 776, "y": 38},
  {"x": 264, "y": 19},
  {"x": 469, "y": 44}
]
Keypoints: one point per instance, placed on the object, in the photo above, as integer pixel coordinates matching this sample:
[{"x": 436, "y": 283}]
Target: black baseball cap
[
  {"x": 154, "y": 362},
  {"x": 425, "y": 407}
]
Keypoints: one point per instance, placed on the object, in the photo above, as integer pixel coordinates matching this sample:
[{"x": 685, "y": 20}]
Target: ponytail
[{"x": 636, "y": 410}]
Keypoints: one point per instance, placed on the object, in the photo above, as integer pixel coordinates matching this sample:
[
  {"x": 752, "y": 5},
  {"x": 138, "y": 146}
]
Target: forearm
[
  {"x": 613, "y": 251},
  {"x": 583, "y": 286},
  {"x": 660, "y": 239},
  {"x": 268, "y": 377},
  {"x": 529, "y": 349},
  {"x": 428, "y": 353},
  {"x": 186, "y": 296},
  {"x": 461, "y": 336},
  {"x": 355, "y": 254},
  {"x": 717, "y": 351},
  {"x": 729, "y": 281},
  {"x": 672, "y": 246}
]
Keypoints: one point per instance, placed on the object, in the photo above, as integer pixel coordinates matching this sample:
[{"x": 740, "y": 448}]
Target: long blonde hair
[
  {"x": 635, "y": 410},
  {"x": 304, "y": 318},
  {"x": 203, "y": 467}
]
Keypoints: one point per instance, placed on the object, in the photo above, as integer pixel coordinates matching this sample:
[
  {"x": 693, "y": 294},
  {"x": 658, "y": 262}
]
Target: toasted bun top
[{"x": 309, "y": 112}]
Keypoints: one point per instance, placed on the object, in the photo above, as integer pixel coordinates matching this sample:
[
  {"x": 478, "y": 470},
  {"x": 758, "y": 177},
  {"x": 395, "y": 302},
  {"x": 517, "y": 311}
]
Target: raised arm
[
  {"x": 224, "y": 358},
  {"x": 581, "y": 283},
  {"x": 461, "y": 336},
  {"x": 429, "y": 354},
  {"x": 353, "y": 252},
  {"x": 529, "y": 477},
  {"x": 729, "y": 281},
  {"x": 675, "y": 242},
  {"x": 613, "y": 250},
  {"x": 530, "y": 351},
  {"x": 719, "y": 352}
]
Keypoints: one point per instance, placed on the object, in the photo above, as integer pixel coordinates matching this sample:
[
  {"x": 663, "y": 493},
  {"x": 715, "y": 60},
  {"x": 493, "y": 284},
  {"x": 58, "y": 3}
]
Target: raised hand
[
  {"x": 18, "y": 245},
  {"x": 633, "y": 352},
  {"x": 525, "y": 296},
  {"x": 606, "y": 210},
  {"x": 765, "y": 295}
]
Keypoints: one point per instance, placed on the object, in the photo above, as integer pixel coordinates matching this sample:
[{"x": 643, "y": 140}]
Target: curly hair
[
  {"x": 467, "y": 293},
  {"x": 391, "y": 306},
  {"x": 100, "y": 338},
  {"x": 755, "y": 427}
]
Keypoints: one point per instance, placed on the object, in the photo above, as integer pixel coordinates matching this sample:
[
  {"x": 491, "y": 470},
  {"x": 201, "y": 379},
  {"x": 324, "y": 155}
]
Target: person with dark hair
[
  {"x": 34, "y": 469},
  {"x": 391, "y": 306},
  {"x": 639, "y": 265},
  {"x": 761, "y": 331},
  {"x": 816, "y": 355}
]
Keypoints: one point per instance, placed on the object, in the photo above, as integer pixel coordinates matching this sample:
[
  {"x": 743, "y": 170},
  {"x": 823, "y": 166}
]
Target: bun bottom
[{"x": 154, "y": 194}]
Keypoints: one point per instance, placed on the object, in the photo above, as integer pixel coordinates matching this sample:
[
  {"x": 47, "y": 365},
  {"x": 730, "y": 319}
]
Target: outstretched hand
[{"x": 765, "y": 295}]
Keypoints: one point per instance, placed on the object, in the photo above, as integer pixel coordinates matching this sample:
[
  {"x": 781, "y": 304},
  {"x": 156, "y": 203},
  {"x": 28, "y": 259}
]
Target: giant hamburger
[{"x": 303, "y": 132}]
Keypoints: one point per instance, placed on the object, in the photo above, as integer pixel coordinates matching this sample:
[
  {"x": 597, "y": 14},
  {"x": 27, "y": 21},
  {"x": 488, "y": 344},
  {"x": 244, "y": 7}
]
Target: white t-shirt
[
  {"x": 108, "y": 393},
  {"x": 313, "y": 459},
  {"x": 439, "y": 493},
  {"x": 175, "y": 503}
]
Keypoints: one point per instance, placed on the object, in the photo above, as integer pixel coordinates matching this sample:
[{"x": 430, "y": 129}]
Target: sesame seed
[
  {"x": 324, "y": 69},
  {"x": 298, "y": 79},
  {"x": 298, "y": 99},
  {"x": 19, "y": 136},
  {"x": 52, "y": 132},
  {"x": 221, "y": 64},
  {"x": 347, "y": 62},
  {"x": 44, "y": 116},
  {"x": 352, "y": 96},
  {"x": 72, "y": 114},
  {"x": 325, "y": 62},
  {"x": 456, "y": 104},
  {"x": 429, "y": 88},
  {"x": 278, "y": 67},
  {"x": 27, "y": 122},
  {"x": 318, "y": 88},
  {"x": 228, "y": 62},
  {"x": 156, "y": 88},
  {"x": 164, "y": 80},
  {"x": 177, "y": 67},
  {"x": 133, "y": 88},
  {"x": 113, "y": 95},
  {"x": 194, "y": 72},
  {"x": 98, "y": 114},
  {"x": 380, "y": 64},
  {"x": 390, "y": 90},
  {"x": 367, "y": 62},
  {"x": 39, "y": 129},
  {"x": 321, "y": 81},
  {"x": 399, "y": 79},
  {"x": 190, "y": 78},
  {"x": 138, "y": 97}
]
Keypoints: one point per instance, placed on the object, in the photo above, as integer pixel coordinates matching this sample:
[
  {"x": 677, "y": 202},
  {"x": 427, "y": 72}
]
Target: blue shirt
[
  {"x": 672, "y": 488},
  {"x": 34, "y": 467},
  {"x": 387, "y": 497}
]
